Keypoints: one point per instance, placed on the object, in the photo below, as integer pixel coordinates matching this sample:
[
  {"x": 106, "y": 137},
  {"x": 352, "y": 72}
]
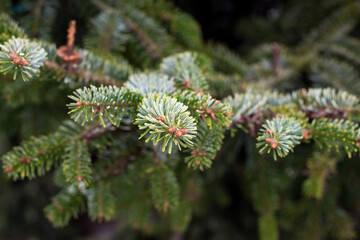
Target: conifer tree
[{"x": 155, "y": 118}]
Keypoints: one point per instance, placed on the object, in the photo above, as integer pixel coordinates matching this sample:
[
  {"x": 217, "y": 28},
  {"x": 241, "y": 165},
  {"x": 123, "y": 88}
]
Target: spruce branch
[
  {"x": 21, "y": 58},
  {"x": 164, "y": 118},
  {"x": 9, "y": 28},
  {"x": 280, "y": 135},
  {"x": 109, "y": 101}
]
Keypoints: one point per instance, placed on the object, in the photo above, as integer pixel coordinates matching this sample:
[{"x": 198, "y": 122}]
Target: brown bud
[
  {"x": 79, "y": 178},
  {"x": 202, "y": 116},
  {"x": 8, "y": 169},
  {"x": 171, "y": 129},
  {"x": 273, "y": 144},
  {"x": 227, "y": 113},
  {"x": 178, "y": 133},
  {"x": 269, "y": 131},
  {"x": 12, "y": 56},
  {"x": 22, "y": 160},
  {"x": 42, "y": 152},
  {"x": 78, "y": 103},
  {"x": 184, "y": 131},
  {"x": 24, "y": 62},
  {"x": 212, "y": 115},
  {"x": 95, "y": 111},
  {"x": 197, "y": 162},
  {"x": 203, "y": 153},
  {"x": 28, "y": 160},
  {"x": 306, "y": 134},
  {"x": 268, "y": 140},
  {"x": 208, "y": 111},
  {"x": 193, "y": 152},
  {"x": 17, "y": 60}
]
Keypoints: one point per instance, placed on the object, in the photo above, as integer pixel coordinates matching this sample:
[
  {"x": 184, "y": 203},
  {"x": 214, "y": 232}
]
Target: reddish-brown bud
[
  {"x": 8, "y": 169},
  {"x": 202, "y": 116},
  {"x": 227, "y": 113},
  {"x": 197, "y": 162},
  {"x": 96, "y": 110},
  {"x": 79, "y": 178},
  {"x": 100, "y": 215},
  {"x": 208, "y": 111},
  {"x": 178, "y": 133},
  {"x": 22, "y": 159},
  {"x": 12, "y": 56},
  {"x": 28, "y": 160},
  {"x": 203, "y": 153},
  {"x": 306, "y": 134},
  {"x": 193, "y": 152},
  {"x": 184, "y": 131},
  {"x": 273, "y": 144},
  {"x": 78, "y": 103},
  {"x": 171, "y": 129},
  {"x": 42, "y": 152},
  {"x": 269, "y": 131},
  {"x": 17, "y": 60},
  {"x": 24, "y": 62},
  {"x": 212, "y": 115},
  {"x": 268, "y": 140}
]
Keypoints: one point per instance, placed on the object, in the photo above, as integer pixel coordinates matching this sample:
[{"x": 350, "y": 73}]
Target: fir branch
[
  {"x": 109, "y": 101},
  {"x": 164, "y": 189},
  {"x": 206, "y": 144},
  {"x": 280, "y": 135},
  {"x": 101, "y": 202},
  {"x": 335, "y": 133},
  {"x": 21, "y": 58},
  {"x": 164, "y": 118},
  {"x": 184, "y": 68},
  {"x": 150, "y": 83},
  {"x": 76, "y": 165},
  {"x": 66, "y": 204}
]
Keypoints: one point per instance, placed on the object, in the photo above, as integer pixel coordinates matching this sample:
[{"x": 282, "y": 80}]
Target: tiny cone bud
[
  {"x": 162, "y": 119},
  {"x": 8, "y": 169},
  {"x": 171, "y": 129},
  {"x": 78, "y": 103},
  {"x": 95, "y": 111},
  {"x": 306, "y": 134},
  {"x": 28, "y": 160},
  {"x": 12, "y": 56},
  {"x": 227, "y": 113},
  {"x": 17, "y": 60},
  {"x": 184, "y": 131},
  {"x": 201, "y": 93},
  {"x": 274, "y": 145},
  {"x": 178, "y": 133},
  {"x": 202, "y": 116},
  {"x": 22, "y": 159},
  {"x": 208, "y": 111},
  {"x": 102, "y": 110},
  {"x": 212, "y": 115},
  {"x": 25, "y": 62},
  {"x": 197, "y": 162},
  {"x": 268, "y": 140},
  {"x": 269, "y": 131},
  {"x": 193, "y": 152},
  {"x": 158, "y": 118},
  {"x": 79, "y": 178},
  {"x": 203, "y": 153},
  {"x": 42, "y": 152}
]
